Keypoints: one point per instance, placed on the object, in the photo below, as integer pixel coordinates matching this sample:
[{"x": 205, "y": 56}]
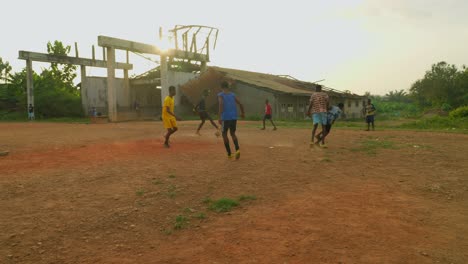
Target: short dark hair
[
  {"x": 340, "y": 105},
  {"x": 225, "y": 84},
  {"x": 172, "y": 87},
  {"x": 318, "y": 88}
]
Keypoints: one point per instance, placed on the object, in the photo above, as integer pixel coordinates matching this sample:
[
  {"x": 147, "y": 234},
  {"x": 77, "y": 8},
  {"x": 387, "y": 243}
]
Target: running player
[
  {"x": 168, "y": 116},
  {"x": 201, "y": 109},
  {"x": 228, "y": 117}
]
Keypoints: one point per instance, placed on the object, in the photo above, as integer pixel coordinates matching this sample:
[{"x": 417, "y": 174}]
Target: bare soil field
[{"x": 110, "y": 193}]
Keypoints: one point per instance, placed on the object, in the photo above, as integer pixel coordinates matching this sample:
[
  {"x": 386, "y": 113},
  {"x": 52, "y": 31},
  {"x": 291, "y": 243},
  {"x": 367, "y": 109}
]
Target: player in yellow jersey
[{"x": 168, "y": 116}]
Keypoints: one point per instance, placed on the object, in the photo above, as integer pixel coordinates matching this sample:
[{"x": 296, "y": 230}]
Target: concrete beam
[
  {"x": 156, "y": 81},
  {"x": 133, "y": 46},
  {"x": 35, "y": 56}
]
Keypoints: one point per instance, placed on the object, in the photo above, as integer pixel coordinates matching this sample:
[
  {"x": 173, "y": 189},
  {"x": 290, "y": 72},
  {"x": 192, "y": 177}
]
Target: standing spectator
[
  {"x": 31, "y": 112},
  {"x": 370, "y": 112}
]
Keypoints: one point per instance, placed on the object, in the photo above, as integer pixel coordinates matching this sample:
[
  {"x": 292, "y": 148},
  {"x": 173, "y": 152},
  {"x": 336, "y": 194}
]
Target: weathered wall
[
  {"x": 96, "y": 93},
  {"x": 177, "y": 79},
  {"x": 253, "y": 100}
]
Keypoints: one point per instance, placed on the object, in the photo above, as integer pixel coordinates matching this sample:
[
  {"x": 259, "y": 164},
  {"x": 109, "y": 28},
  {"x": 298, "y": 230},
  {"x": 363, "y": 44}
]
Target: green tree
[
  {"x": 5, "y": 70},
  {"x": 443, "y": 85}
]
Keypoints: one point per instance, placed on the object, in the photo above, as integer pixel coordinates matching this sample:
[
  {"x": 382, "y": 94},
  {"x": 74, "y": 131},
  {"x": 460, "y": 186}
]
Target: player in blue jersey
[{"x": 228, "y": 117}]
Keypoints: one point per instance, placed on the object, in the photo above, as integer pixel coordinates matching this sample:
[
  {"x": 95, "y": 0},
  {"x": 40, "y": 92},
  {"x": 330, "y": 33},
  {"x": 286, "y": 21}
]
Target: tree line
[{"x": 55, "y": 93}]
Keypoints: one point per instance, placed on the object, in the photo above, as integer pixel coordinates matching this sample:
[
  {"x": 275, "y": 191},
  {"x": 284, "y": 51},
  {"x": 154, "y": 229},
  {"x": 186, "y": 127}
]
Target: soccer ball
[{"x": 217, "y": 134}]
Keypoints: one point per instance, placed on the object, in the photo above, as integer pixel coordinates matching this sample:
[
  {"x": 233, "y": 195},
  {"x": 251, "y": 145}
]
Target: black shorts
[
  {"x": 229, "y": 125},
  {"x": 370, "y": 119},
  {"x": 267, "y": 117},
  {"x": 204, "y": 115}
]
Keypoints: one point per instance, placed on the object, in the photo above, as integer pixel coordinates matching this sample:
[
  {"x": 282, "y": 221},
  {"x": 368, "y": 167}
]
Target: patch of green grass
[
  {"x": 243, "y": 198},
  {"x": 207, "y": 200},
  {"x": 200, "y": 216},
  {"x": 181, "y": 221},
  {"x": 223, "y": 205},
  {"x": 157, "y": 182},
  {"x": 326, "y": 160},
  {"x": 371, "y": 145},
  {"x": 140, "y": 192},
  {"x": 171, "y": 176},
  {"x": 167, "y": 232},
  {"x": 171, "y": 191},
  {"x": 439, "y": 123}
]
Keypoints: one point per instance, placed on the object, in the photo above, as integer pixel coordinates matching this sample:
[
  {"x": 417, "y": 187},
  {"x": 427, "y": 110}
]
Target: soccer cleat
[
  {"x": 237, "y": 154},
  {"x": 230, "y": 156}
]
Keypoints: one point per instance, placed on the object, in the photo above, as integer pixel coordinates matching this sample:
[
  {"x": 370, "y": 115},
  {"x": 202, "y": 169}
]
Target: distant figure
[
  {"x": 136, "y": 107},
  {"x": 370, "y": 112},
  {"x": 319, "y": 108},
  {"x": 94, "y": 112},
  {"x": 228, "y": 117},
  {"x": 333, "y": 114},
  {"x": 268, "y": 115},
  {"x": 168, "y": 116},
  {"x": 201, "y": 109},
  {"x": 31, "y": 112}
]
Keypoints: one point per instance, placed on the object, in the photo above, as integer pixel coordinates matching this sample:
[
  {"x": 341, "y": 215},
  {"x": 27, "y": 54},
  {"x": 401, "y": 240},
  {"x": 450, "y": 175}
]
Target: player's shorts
[
  {"x": 370, "y": 119},
  {"x": 267, "y": 117},
  {"x": 169, "y": 122},
  {"x": 320, "y": 118},
  {"x": 229, "y": 125},
  {"x": 204, "y": 115}
]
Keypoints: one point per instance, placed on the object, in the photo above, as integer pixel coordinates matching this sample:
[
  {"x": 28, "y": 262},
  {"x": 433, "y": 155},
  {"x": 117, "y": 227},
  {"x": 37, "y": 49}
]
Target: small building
[{"x": 289, "y": 97}]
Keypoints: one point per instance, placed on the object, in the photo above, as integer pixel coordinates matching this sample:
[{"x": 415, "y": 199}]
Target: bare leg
[
  {"x": 201, "y": 125},
  {"x": 274, "y": 126},
  {"x": 263, "y": 124},
  {"x": 324, "y": 134},
  {"x": 313, "y": 133},
  {"x": 170, "y": 131},
  {"x": 212, "y": 122},
  {"x": 226, "y": 143}
]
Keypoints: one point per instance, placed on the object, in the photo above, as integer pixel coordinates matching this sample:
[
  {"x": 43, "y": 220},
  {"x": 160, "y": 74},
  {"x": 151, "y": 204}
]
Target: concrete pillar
[
  {"x": 111, "y": 91},
  {"x": 164, "y": 79},
  {"x": 84, "y": 90},
  {"x": 29, "y": 83},
  {"x": 203, "y": 67},
  {"x": 126, "y": 87}
]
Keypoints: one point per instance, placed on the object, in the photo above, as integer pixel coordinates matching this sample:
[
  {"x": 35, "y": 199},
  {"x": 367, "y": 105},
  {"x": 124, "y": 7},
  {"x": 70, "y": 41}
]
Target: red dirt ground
[{"x": 110, "y": 193}]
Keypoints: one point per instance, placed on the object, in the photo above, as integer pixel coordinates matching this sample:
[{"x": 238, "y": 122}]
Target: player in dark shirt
[{"x": 201, "y": 109}]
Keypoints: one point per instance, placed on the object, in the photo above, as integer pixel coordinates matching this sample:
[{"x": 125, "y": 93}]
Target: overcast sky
[{"x": 374, "y": 45}]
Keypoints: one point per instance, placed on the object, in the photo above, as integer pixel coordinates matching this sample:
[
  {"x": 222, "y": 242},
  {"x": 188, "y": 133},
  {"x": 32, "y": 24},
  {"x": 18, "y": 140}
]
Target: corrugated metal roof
[{"x": 277, "y": 83}]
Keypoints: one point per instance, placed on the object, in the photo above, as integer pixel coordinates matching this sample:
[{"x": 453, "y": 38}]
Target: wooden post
[
  {"x": 111, "y": 93},
  {"x": 29, "y": 83}
]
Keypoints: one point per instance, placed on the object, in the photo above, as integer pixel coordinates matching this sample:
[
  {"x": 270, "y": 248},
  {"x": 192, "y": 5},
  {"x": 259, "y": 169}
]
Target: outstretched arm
[{"x": 241, "y": 107}]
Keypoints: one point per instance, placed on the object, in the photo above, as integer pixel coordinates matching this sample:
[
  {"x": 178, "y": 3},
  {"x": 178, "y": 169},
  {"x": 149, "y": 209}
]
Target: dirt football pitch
[{"x": 111, "y": 193}]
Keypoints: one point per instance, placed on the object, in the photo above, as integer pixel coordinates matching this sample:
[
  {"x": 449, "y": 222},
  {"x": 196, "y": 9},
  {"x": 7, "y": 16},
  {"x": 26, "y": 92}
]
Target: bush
[{"x": 459, "y": 112}]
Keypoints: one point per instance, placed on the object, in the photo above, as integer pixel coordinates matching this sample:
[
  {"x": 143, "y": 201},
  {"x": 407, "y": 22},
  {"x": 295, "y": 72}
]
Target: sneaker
[
  {"x": 166, "y": 145},
  {"x": 323, "y": 146},
  {"x": 237, "y": 154},
  {"x": 230, "y": 156}
]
